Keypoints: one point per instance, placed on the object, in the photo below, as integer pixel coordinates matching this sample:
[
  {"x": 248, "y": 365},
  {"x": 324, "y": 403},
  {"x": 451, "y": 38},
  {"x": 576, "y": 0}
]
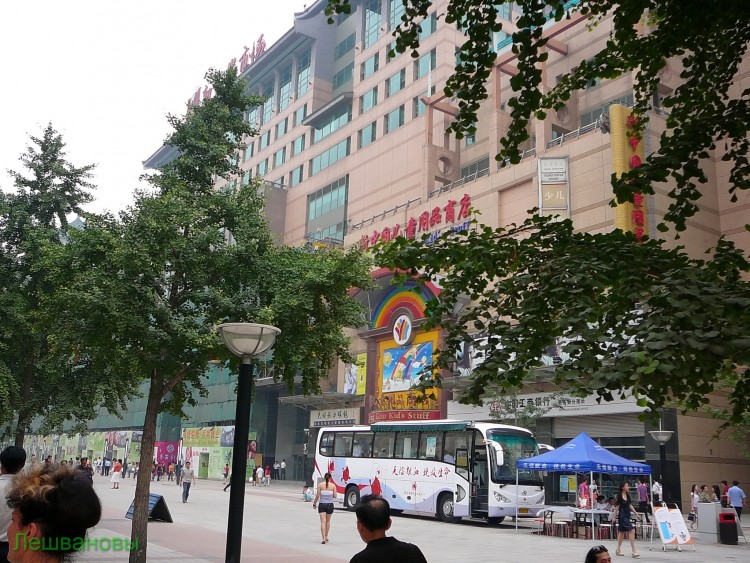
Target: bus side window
[
  {"x": 406, "y": 445},
  {"x": 362, "y": 444},
  {"x": 342, "y": 447},
  {"x": 326, "y": 444},
  {"x": 453, "y": 441},
  {"x": 431, "y": 445},
  {"x": 383, "y": 444}
]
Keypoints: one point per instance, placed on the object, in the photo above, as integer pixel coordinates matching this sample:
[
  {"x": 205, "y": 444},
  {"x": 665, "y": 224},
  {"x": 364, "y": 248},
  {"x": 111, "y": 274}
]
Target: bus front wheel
[
  {"x": 445, "y": 508},
  {"x": 352, "y": 497},
  {"x": 495, "y": 520}
]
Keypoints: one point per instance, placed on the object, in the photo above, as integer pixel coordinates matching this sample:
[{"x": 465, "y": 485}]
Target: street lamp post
[
  {"x": 662, "y": 437},
  {"x": 245, "y": 340}
]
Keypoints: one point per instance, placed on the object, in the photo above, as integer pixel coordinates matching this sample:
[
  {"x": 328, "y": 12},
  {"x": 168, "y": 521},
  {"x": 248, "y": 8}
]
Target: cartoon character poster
[{"x": 403, "y": 366}]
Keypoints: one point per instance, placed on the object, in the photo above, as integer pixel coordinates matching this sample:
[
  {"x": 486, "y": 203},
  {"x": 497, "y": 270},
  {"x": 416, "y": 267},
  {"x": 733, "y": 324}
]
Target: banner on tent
[{"x": 671, "y": 526}]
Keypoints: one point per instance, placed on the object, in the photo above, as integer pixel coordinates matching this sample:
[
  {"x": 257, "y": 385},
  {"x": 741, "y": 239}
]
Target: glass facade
[
  {"x": 369, "y": 67},
  {"x": 303, "y": 74},
  {"x": 265, "y": 140},
  {"x": 343, "y": 76},
  {"x": 263, "y": 168},
  {"x": 279, "y": 157},
  {"x": 395, "y": 83},
  {"x": 269, "y": 105},
  {"x": 281, "y": 128},
  {"x": 327, "y": 198},
  {"x": 371, "y": 24},
  {"x": 396, "y": 9},
  {"x": 296, "y": 176},
  {"x": 331, "y": 156},
  {"x": 332, "y": 123},
  {"x": 343, "y": 47},
  {"x": 298, "y": 145},
  {"x": 299, "y": 115},
  {"x": 425, "y": 64}
]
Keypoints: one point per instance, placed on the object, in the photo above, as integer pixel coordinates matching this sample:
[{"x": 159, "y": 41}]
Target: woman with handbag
[{"x": 624, "y": 523}]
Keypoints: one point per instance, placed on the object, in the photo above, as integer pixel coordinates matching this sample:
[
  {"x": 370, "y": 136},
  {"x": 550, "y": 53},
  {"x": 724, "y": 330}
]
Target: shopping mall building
[{"x": 353, "y": 150}]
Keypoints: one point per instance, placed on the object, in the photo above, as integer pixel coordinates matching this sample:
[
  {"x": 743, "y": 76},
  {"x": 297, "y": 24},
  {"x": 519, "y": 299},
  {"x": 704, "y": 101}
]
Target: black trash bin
[{"x": 727, "y": 528}]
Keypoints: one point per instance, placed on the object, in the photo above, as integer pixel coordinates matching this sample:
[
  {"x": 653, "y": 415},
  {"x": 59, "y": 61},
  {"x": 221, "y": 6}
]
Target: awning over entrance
[{"x": 326, "y": 400}]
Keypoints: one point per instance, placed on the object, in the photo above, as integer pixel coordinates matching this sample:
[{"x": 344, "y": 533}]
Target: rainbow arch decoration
[{"x": 400, "y": 297}]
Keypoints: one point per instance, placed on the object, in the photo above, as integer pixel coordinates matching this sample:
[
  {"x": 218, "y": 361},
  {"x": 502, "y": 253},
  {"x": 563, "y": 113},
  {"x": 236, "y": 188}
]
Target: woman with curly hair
[{"x": 53, "y": 507}]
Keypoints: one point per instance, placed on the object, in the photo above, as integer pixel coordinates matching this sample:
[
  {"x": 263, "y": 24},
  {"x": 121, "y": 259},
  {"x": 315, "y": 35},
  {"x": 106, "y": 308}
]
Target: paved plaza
[{"x": 279, "y": 526}]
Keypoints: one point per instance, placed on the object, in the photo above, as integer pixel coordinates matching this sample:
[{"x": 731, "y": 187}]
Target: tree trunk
[
  {"x": 23, "y": 411},
  {"x": 139, "y": 531}
]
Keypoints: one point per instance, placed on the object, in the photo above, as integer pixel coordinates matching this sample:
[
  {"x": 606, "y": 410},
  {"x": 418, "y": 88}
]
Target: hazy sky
[{"x": 107, "y": 73}]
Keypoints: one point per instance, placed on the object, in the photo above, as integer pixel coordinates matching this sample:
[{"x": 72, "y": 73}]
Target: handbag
[{"x": 691, "y": 516}]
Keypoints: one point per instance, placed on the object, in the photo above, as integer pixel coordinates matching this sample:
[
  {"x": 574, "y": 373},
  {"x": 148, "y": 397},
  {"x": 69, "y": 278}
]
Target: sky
[{"x": 106, "y": 74}]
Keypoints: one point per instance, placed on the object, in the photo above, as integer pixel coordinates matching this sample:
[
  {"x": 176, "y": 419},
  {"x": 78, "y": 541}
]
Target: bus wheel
[
  {"x": 445, "y": 508},
  {"x": 495, "y": 520},
  {"x": 352, "y": 497}
]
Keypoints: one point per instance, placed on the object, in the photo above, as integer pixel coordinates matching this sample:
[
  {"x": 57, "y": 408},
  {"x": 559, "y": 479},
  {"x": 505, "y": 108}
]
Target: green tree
[
  {"x": 34, "y": 379},
  {"x": 144, "y": 291},
  {"x": 506, "y": 409},
  {"x": 633, "y": 316}
]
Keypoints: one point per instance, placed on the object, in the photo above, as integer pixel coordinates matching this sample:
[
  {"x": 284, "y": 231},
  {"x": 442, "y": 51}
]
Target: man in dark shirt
[{"x": 373, "y": 520}]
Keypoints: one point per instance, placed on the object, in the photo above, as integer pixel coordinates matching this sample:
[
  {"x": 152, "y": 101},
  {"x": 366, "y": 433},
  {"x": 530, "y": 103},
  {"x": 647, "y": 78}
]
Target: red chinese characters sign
[{"x": 449, "y": 214}]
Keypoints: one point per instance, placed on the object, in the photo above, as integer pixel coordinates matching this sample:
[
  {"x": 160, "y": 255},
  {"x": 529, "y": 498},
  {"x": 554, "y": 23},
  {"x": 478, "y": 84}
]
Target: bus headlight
[
  {"x": 501, "y": 498},
  {"x": 460, "y": 493}
]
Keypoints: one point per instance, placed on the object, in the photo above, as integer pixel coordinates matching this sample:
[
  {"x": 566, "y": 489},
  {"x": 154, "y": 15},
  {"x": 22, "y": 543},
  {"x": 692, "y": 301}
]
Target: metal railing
[{"x": 573, "y": 134}]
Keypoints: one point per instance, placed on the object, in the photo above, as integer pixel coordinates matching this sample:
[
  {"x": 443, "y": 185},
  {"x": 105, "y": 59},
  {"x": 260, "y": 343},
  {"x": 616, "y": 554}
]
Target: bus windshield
[{"x": 515, "y": 447}]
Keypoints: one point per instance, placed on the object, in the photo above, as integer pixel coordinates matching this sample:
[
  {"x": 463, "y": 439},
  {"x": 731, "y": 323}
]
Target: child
[{"x": 307, "y": 494}]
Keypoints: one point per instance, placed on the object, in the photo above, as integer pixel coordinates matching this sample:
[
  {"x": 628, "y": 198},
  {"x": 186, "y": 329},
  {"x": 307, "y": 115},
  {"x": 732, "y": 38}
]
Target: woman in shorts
[{"x": 325, "y": 495}]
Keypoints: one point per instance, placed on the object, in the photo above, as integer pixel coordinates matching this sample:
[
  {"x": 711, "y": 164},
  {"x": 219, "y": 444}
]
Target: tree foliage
[
  {"x": 708, "y": 111},
  {"x": 632, "y": 316},
  {"x": 140, "y": 294},
  {"x": 36, "y": 380}
]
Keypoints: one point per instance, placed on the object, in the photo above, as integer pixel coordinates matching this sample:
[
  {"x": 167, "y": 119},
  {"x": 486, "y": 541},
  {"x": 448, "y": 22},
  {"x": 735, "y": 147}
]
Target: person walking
[
  {"x": 228, "y": 483},
  {"x": 282, "y": 470},
  {"x": 325, "y": 495},
  {"x": 12, "y": 460},
  {"x": 658, "y": 492},
  {"x": 276, "y": 468},
  {"x": 170, "y": 472},
  {"x": 107, "y": 466},
  {"x": 259, "y": 476},
  {"x": 268, "y": 476},
  {"x": 86, "y": 469},
  {"x": 188, "y": 479},
  {"x": 373, "y": 521},
  {"x": 724, "y": 494},
  {"x": 624, "y": 524},
  {"x": 643, "y": 506},
  {"x": 116, "y": 474},
  {"x": 737, "y": 498},
  {"x": 584, "y": 496},
  {"x": 693, "y": 516}
]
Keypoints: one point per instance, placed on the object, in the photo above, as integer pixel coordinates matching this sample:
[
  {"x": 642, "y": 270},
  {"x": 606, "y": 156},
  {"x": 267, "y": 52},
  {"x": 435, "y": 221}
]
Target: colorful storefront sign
[
  {"x": 355, "y": 376},
  {"x": 207, "y": 436}
]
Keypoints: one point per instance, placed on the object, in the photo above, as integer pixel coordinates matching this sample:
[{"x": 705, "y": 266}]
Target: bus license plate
[{"x": 523, "y": 510}]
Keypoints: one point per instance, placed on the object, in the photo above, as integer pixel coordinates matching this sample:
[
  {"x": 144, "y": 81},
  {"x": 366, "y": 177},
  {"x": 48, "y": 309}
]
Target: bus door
[
  {"x": 480, "y": 486},
  {"x": 458, "y": 451}
]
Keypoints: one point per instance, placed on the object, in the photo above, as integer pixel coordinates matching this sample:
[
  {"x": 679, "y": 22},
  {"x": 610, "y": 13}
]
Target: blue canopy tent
[{"x": 582, "y": 455}]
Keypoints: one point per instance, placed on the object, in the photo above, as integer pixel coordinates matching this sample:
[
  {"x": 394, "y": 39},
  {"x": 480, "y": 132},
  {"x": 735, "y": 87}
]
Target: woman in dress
[
  {"x": 325, "y": 495},
  {"x": 116, "y": 474},
  {"x": 624, "y": 525}
]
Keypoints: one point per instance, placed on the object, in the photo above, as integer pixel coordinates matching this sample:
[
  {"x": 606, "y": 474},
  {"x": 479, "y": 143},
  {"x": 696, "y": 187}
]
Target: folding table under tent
[{"x": 582, "y": 455}]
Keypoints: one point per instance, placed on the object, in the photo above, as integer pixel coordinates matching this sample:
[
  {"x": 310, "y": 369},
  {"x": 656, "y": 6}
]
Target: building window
[
  {"x": 343, "y": 76},
  {"x": 296, "y": 176},
  {"x": 269, "y": 105},
  {"x": 390, "y": 52},
  {"x": 281, "y": 128},
  {"x": 279, "y": 157},
  {"x": 343, "y": 47},
  {"x": 394, "y": 120},
  {"x": 298, "y": 145},
  {"x": 371, "y": 26},
  {"x": 262, "y": 168},
  {"x": 280, "y": 182},
  {"x": 332, "y": 123},
  {"x": 368, "y": 100},
  {"x": 252, "y": 116},
  {"x": 429, "y": 25},
  {"x": 265, "y": 140},
  {"x": 395, "y": 83},
  {"x": 246, "y": 178},
  {"x": 327, "y": 198},
  {"x": 396, "y": 9},
  {"x": 425, "y": 64},
  {"x": 366, "y": 135},
  {"x": 299, "y": 115},
  {"x": 477, "y": 166},
  {"x": 303, "y": 74},
  {"x": 330, "y": 156},
  {"x": 369, "y": 67},
  {"x": 471, "y": 138},
  {"x": 418, "y": 106},
  {"x": 249, "y": 151},
  {"x": 285, "y": 90}
]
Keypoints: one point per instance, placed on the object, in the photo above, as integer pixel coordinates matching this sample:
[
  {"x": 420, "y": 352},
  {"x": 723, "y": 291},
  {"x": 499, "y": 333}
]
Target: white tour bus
[{"x": 447, "y": 468}]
